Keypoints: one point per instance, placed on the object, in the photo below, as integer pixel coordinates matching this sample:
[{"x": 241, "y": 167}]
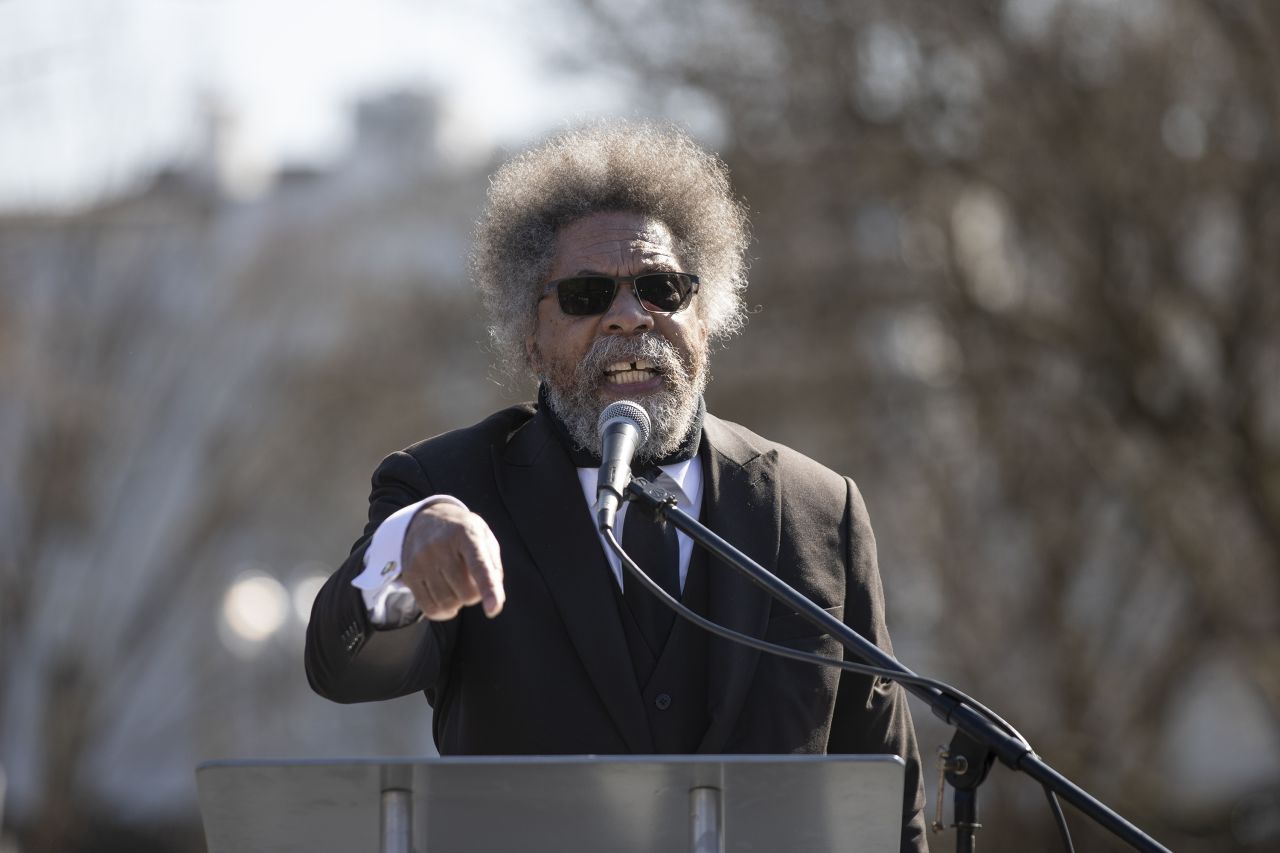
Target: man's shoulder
[
  {"x": 806, "y": 487},
  {"x": 742, "y": 445},
  {"x": 494, "y": 431},
  {"x": 739, "y": 442}
]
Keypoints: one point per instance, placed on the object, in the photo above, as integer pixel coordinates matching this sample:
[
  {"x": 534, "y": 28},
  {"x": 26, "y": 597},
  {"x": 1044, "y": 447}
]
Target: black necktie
[{"x": 654, "y": 547}]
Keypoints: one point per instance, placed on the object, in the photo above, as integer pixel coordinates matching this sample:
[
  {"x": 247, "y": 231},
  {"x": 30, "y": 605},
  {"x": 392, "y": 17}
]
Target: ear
[{"x": 701, "y": 330}]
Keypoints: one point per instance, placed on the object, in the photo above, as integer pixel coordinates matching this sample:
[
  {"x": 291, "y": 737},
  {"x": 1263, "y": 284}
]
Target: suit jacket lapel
[
  {"x": 540, "y": 488},
  {"x": 740, "y": 503}
]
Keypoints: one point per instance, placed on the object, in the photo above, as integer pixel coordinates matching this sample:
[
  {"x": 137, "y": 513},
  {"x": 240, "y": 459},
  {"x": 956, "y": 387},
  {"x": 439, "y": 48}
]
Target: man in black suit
[{"x": 611, "y": 259}]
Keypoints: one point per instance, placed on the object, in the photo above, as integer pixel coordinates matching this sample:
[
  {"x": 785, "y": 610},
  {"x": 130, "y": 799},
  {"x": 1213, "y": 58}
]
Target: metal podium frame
[{"x": 622, "y": 804}]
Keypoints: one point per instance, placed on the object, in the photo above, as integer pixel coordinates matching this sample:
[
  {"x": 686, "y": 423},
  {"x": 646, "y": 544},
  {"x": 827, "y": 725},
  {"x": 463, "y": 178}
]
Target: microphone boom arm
[{"x": 1011, "y": 752}]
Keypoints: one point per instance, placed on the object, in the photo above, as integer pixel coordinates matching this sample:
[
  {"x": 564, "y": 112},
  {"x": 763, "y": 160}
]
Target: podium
[{"x": 560, "y": 804}]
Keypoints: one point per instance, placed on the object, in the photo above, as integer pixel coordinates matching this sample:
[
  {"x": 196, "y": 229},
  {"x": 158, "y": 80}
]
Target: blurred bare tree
[
  {"x": 195, "y": 387},
  {"x": 1018, "y": 263}
]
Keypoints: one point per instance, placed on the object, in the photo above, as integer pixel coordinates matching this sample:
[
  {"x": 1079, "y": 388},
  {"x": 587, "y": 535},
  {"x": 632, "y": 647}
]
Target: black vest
[{"x": 674, "y": 687}]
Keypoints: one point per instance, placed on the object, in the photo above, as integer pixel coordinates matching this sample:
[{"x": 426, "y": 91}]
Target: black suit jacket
[{"x": 551, "y": 674}]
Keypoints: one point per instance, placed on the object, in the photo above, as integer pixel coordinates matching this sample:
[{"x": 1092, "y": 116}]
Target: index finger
[{"x": 487, "y": 574}]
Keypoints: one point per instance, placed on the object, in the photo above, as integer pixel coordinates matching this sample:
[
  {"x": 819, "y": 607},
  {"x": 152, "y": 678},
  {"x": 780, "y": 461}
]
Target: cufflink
[{"x": 389, "y": 568}]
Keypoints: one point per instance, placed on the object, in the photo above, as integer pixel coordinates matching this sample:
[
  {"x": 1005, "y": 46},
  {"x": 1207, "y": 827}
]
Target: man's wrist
[{"x": 389, "y": 602}]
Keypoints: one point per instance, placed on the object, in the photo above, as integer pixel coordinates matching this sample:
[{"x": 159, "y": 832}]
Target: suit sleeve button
[{"x": 662, "y": 701}]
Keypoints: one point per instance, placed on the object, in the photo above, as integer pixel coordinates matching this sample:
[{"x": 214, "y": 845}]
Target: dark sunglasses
[{"x": 658, "y": 292}]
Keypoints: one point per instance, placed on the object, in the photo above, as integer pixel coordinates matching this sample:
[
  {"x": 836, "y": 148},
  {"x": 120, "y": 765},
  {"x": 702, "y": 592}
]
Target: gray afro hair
[{"x": 634, "y": 167}]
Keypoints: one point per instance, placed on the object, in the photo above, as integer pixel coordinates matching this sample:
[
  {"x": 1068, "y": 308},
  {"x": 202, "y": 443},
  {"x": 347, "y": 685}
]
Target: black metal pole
[
  {"x": 1011, "y": 752},
  {"x": 968, "y": 763},
  {"x": 966, "y": 819}
]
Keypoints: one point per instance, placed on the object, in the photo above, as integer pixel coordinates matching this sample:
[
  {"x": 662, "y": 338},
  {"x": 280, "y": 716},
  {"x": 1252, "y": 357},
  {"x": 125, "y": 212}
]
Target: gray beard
[{"x": 575, "y": 397}]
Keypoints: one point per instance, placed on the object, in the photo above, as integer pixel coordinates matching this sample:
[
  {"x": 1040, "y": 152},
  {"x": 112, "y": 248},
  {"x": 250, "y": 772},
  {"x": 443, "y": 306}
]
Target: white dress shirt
[{"x": 391, "y": 604}]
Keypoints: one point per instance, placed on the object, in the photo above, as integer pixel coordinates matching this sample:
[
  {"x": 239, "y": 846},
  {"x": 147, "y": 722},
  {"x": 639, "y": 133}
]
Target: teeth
[
  {"x": 622, "y": 377},
  {"x": 638, "y": 364}
]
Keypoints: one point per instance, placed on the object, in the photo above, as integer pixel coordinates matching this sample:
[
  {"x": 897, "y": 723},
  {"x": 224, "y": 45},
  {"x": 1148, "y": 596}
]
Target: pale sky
[{"x": 94, "y": 93}]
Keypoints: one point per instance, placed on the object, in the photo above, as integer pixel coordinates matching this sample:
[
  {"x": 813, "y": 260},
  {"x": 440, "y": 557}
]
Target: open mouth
[{"x": 627, "y": 372}]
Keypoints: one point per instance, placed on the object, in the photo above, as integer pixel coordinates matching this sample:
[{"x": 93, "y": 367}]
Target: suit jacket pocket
[{"x": 791, "y": 627}]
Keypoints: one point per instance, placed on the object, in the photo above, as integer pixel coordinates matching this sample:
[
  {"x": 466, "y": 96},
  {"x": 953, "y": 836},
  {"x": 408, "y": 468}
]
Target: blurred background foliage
[{"x": 1016, "y": 271}]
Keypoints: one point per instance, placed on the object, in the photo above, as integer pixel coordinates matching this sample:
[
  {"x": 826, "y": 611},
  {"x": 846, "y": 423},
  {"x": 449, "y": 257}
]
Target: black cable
[
  {"x": 1060, "y": 819},
  {"x": 795, "y": 654}
]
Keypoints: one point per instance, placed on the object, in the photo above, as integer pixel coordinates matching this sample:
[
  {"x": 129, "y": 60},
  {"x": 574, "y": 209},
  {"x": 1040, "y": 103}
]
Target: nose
[{"x": 626, "y": 316}]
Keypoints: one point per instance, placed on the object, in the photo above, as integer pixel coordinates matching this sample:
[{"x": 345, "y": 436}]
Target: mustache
[{"x": 650, "y": 346}]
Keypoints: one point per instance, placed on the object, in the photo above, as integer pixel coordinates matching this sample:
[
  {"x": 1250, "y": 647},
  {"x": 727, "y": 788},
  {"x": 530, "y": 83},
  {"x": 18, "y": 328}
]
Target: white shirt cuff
[{"x": 388, "y": 600}]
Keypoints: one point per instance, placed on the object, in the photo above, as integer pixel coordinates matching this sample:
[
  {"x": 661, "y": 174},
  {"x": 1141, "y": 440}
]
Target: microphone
[{"x": 624, "y": 428}]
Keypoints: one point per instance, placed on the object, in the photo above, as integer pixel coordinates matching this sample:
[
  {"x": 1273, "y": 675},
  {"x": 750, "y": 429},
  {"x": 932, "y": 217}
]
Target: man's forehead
[{"x": 608, "y": 235}]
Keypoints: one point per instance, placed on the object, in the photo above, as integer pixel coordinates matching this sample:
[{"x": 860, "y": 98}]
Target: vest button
[{"x": 662, "y": 701}]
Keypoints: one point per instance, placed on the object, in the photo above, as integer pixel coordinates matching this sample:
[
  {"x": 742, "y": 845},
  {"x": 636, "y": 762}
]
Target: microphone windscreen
[{"x": 631, "y": 411}]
